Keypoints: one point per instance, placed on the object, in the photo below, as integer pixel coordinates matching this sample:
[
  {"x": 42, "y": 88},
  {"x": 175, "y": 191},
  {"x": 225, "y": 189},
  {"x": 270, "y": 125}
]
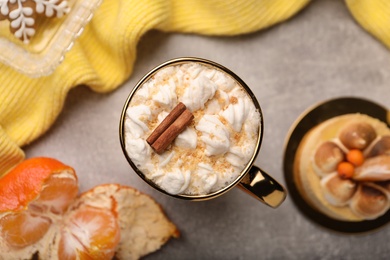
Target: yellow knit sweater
[{"x": 103, "y": 57}]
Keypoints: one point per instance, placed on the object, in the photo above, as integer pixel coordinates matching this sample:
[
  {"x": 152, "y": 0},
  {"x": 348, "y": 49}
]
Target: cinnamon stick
[
  {"x": 164, "y": 134},
  {"x": 172, "y": 116},
  {"x": 166, "y": 138}
]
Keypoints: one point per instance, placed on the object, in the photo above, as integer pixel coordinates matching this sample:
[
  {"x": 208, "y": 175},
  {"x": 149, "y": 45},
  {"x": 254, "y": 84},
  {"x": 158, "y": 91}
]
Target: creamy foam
[{"x": 213, "y": 150}]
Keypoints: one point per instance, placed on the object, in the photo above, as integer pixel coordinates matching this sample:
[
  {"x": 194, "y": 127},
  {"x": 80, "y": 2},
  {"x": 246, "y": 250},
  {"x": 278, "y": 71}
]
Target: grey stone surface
[{"x": 320, "y": 53}]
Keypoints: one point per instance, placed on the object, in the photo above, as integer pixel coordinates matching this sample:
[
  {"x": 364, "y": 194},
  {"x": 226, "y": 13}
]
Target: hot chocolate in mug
[{"x": 192, "y": 129}]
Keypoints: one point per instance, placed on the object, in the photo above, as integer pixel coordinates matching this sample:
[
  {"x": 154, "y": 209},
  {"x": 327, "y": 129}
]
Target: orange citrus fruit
[
  {"x": 41, "y": 215},
  {"x": 45, "y": 181},
  {"x": 31, "y": 194},
  {"x": 89, "y": 233},
  {"x": 143, "y": 224}
]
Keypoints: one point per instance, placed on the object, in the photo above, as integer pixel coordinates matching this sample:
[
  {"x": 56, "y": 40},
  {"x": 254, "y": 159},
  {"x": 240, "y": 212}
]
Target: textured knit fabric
[{"x": 103, "y": 57}]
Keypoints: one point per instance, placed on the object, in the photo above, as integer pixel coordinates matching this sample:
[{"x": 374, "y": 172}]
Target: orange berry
[
  {"x": 355, "y": 157},
  {"x": 345, "y": 170}
]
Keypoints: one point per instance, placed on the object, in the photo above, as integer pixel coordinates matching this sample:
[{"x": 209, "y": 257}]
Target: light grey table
[{"x": 319, "y": 54}]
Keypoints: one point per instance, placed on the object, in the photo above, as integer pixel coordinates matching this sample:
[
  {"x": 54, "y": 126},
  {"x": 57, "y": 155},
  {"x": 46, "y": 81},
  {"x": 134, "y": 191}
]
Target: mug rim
[{"x": 208, "y": 63}]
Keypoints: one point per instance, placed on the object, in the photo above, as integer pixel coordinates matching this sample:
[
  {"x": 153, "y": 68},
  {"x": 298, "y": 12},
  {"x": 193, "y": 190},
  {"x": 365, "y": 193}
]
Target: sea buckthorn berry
[
  {"x": 345, "y": 170},
  {"x": 355, "y": 157}
]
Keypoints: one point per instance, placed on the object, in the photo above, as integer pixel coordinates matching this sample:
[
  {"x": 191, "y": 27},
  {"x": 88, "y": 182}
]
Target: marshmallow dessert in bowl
[{"x": 191, "y": 128}]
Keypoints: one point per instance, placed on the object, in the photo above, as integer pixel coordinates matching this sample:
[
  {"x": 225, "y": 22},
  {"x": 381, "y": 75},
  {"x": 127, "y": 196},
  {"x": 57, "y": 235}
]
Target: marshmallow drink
[{"x": 213, "y": 149}]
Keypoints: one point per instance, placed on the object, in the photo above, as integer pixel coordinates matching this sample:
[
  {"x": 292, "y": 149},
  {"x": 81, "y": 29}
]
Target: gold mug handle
[{"x": 263, "y": 187}]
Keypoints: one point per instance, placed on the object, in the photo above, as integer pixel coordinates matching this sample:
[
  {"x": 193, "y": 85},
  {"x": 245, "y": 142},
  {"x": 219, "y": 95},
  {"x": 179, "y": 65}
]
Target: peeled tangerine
[{"x": 42, "y": 216}]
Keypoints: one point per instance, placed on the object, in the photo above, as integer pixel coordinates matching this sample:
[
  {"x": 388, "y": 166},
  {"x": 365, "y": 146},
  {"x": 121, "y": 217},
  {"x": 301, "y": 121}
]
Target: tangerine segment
[
  {"x": 58, "y": 192},
  {"x": 89, "y": 233},
  {"x": 23, "y": 183},
  {"x": 22, "y": 229},
  {"x": 143, "y": 223}
]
